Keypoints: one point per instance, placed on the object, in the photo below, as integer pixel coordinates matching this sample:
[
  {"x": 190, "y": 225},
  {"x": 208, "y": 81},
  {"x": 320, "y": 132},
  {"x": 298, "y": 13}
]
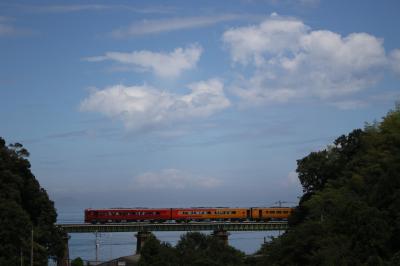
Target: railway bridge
[{"x": 143, "y": 230}]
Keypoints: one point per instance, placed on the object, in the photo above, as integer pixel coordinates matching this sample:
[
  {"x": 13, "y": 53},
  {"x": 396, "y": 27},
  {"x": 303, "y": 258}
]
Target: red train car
[{"x": 126, "y": 215}]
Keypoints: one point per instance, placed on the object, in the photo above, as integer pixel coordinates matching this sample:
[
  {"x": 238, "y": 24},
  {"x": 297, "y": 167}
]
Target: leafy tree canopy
[
  {"x": 193, "y": 249},
  {"x": 24, "y": 206},
  {"x": 349, "y": 213}
]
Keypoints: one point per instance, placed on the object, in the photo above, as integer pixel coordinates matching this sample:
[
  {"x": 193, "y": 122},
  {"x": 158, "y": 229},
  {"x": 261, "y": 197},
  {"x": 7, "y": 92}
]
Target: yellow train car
[
  {"x": 230, "y": 214},
  {"x": 199, "y": 214},
  {"x": 271, "y": 213}
]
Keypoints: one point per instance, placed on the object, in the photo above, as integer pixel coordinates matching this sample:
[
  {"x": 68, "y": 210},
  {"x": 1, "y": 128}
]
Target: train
[{"x": 179, "y": 215}]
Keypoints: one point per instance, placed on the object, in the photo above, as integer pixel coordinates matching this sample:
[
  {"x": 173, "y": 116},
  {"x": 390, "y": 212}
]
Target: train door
[
  {"x": 95, "y": 217},
  {"x": 248, "y": 214},
  {"x": 260, "y": 214}
]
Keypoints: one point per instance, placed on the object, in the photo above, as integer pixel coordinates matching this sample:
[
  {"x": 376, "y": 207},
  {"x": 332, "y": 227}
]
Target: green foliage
[
  {"x": 199, "y": 249},
  {"x": 24, "y": 206},
  {"x": 77, "y": 262},
  {"x": 350, "y": 211},
  {"x": 193, "y": 249},
  {"x": 155, "y": 253}
]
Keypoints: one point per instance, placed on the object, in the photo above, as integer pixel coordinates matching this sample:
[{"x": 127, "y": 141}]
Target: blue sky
[{"x": 189, "y": 103}]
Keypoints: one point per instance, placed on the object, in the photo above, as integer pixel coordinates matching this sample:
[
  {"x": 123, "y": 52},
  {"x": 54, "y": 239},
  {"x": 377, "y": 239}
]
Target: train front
[{"x": 90, "y": 216}]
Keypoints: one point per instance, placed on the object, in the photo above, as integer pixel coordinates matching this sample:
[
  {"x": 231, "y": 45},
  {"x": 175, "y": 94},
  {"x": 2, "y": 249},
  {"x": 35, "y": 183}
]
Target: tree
[
  {"x": 77, "y": 262},
  {"x": 24, "y": 206},
  {"x": 349, "y": 213},
  {"x": 199, "y": 249},
  {"x": 155, "y": 253},
  {"x": 193, "y": 249}
]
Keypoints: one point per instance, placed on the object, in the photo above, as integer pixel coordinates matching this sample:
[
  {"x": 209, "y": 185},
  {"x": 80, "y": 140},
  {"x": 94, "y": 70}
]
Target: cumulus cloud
[
  {"x": 173, "y": 24},
  {"x": 272, "y": 36},
  {"x": 292, "y": 61},
  {"x": 173, "y": 179},
  {"x": 145, "y": 107},
  {"x": 162, "y": 64}
]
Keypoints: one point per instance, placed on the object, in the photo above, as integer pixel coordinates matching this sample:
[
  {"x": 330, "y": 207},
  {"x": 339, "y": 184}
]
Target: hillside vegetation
[
  {"x": 349, "y": 213},
  {"x": 24, "y": 206}
]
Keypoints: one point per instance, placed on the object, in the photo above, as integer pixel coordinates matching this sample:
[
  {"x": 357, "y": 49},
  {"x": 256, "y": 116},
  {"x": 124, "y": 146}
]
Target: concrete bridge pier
[
  {"x": 64, "y": 260},
  {"x": 142, "y": 237},
  {"x": 222, "y": 235}
]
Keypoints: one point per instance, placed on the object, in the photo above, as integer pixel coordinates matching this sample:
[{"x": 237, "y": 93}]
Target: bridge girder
[{"x": 151, "y": 227}]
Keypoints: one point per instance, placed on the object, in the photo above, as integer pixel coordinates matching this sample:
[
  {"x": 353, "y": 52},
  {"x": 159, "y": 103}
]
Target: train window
[
  {"x": 208, "y": 212},
  {"x": 233, "y": 212},
  {"x": 158, "y": 213},
  {"x": 285, "y": 212},
  {"x": 272, "y": 212},
  {"x": 279, "y": 212}
]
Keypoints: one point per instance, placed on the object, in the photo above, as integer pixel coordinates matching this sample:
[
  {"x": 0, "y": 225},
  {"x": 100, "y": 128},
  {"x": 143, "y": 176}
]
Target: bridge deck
[{"x": 200, "y": 226}]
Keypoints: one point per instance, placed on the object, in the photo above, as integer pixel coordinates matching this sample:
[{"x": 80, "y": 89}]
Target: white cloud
[
  {"x": 292, "y": 61},
  {"x": 350, "y": 104},
  {"x": 395, "y": 60},
  {"x": 70, "y": 8},
  {"x": 274, "y": 36},
  {"x": 162, "y": 64},
  {"x": 173, "y": 24},
  {"x": 144, "y": 107},
  {"x": 295, "y": 3},
  {"x": 173, "y": 179}
]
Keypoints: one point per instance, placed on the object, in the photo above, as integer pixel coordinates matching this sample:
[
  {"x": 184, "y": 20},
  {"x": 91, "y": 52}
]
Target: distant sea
[{"x": 115, "y": 245}]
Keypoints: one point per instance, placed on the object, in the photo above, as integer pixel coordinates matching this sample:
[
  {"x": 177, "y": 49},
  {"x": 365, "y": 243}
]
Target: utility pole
[
  {"x": 280, "y": 203},
  {"x": 32, "y": 247},
  {"x": 97, "y": 248},
  {"x": 111, "y": 246}
]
